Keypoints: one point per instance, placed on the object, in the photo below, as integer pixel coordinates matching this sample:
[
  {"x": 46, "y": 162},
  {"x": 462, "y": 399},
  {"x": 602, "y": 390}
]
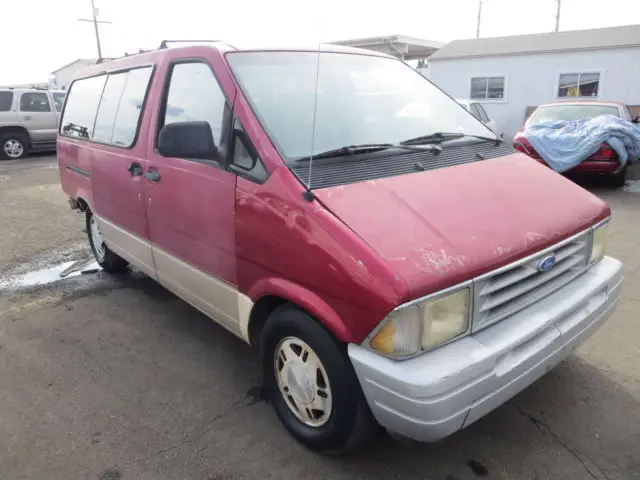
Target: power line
[{"x": 95, "y": 22}]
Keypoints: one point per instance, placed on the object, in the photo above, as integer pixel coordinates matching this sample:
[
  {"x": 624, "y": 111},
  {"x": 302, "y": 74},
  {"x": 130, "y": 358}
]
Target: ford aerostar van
[{"x": 394, "y": 261}]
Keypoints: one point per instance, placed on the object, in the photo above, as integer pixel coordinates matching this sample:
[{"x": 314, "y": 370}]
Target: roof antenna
[{"x": 308, "y": 194}]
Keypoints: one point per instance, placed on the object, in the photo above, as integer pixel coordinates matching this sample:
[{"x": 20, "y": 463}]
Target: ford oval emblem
[{"x": 547, "y": 263}]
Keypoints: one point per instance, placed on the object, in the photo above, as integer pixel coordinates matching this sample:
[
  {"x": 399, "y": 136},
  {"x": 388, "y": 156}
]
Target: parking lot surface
[{"x": 112, "y": 377}]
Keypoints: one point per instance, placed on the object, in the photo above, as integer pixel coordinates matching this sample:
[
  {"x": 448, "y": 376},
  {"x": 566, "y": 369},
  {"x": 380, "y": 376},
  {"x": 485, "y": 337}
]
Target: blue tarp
[{"x": 566, "y": 144}]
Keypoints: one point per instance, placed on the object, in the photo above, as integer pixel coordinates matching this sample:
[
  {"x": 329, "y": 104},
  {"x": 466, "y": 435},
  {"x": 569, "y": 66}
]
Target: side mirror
[
  {"x": 187, "y": 140},
  {"x": 636, "y": 120}
]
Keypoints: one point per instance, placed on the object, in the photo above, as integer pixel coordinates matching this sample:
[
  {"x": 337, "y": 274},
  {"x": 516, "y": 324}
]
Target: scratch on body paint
[
  {"x": 532, "y": 237},
  {"x": 393, "y": 259},
  {"x": 359, "y": 263},
  {"x": 440, "y": 262},
  {"x": 291, "y": 219},
  {"x": 500, "y": 251}
]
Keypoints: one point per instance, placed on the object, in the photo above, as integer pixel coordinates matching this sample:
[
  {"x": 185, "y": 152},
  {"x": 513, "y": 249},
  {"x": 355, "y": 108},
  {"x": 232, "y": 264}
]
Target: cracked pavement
[{"x": 114, "y": 378}]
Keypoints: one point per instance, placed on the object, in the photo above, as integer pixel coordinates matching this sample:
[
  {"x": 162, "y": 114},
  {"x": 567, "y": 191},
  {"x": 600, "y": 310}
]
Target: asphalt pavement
[{"x": 112, "y": 377}]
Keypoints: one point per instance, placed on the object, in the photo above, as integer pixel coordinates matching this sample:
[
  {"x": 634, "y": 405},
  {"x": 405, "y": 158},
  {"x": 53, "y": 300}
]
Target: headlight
[
  {"x": 599, "y": 243},
  {"x": 424, "y": 325}
]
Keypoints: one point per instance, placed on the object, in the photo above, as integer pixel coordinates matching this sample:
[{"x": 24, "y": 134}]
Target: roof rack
[
  {"x": 164, "y": 43},
  {"x": 26, "y": 87}
]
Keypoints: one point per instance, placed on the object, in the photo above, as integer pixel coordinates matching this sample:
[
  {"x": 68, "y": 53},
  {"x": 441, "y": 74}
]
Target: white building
[
  {"x": 512, "y": 75},
  {"x": 61, "y": 78}
]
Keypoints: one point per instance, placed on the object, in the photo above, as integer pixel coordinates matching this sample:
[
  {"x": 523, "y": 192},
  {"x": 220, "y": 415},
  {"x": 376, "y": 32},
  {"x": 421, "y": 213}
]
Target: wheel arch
[
  {"x": 16, "y": 129},
  {"x": 273, "y": 293},
  {"x": 83, "y": 200}
]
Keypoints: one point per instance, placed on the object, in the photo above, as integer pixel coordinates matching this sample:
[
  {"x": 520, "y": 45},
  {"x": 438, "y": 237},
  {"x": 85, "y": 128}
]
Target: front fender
[{"x": 311, "y": 302}]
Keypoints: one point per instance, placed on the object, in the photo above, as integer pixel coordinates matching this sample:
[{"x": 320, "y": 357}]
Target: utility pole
[
  {"x": 95, "y": 22},
  {"x": 558, "y": 5},
  {"x": 480, "y": 2}
]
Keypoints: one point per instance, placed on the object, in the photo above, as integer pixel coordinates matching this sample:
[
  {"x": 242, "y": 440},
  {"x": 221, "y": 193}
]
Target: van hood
[{"x": 437, "y": 228}]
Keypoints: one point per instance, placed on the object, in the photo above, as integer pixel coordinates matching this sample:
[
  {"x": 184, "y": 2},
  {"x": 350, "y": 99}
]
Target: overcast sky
[{"x": 44, "y": 35}]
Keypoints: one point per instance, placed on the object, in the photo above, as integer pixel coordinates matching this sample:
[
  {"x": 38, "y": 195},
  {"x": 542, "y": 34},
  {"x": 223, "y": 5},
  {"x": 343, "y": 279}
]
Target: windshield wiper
[
  {"x": 367, "y": 148},
  {"x": 440, "y": 137}
]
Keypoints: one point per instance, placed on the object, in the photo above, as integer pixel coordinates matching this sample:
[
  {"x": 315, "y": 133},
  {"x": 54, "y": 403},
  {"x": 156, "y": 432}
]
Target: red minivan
[{"x": 393, "y": 260}]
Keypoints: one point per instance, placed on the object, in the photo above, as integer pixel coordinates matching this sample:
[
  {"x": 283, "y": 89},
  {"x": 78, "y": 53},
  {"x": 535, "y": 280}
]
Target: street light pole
[{"x": 95, "y": 22}]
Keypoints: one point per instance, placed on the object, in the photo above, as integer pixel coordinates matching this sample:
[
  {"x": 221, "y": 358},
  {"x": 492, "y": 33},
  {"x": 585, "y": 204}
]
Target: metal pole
[
  {"x": 558, "y": 5},
  {"x": 479, "y": 18},
  {"x": 95, "y": 26}
]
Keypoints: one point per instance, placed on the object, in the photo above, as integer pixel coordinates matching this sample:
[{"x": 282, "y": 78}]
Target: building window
[
  {"x": 578, "y": 85},
  {"x": 484, "y": 88}
]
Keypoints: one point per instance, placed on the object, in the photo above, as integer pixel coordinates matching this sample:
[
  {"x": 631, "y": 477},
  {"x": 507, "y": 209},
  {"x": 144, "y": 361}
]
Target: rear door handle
[
  {"x": 152, "y": 176},
  {"x": 26, "y": 117},
  {"x": 135, "y": 169}
]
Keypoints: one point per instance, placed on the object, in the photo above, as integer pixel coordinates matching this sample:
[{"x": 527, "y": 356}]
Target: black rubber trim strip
[{"x": 80, "y": 171}]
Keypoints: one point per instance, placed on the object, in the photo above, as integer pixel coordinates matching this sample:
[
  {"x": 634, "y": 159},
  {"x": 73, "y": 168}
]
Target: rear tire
[
  {"x": 109, "y": 261},
  {"x": 618, "y": 179},
  {"x": 312, "y": 385},
  {"x": 13, "y": 146}
]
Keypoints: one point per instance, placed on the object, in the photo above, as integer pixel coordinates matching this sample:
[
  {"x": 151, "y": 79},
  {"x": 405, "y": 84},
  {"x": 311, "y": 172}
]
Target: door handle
[
  {"x": 152, "y": 176},
  {"x": 135, "y": 169},
  {"x": 26, "y": 117}
]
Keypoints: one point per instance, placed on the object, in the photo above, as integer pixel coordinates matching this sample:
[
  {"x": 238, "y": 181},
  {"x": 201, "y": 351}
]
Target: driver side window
[{"x": 194, "y": 94}]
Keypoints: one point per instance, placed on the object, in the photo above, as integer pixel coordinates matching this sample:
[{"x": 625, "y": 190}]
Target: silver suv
[{"x": 28, "y": 120}]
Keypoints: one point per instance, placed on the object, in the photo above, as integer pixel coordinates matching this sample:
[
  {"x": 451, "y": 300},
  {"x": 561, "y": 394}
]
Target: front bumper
[{"x": 431, "y": 396}]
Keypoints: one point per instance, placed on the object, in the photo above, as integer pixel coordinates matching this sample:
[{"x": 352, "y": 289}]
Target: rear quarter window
[
  {"x": 82, "y": 104},
  {"x": 6, "y": 99},
  {"x": 130, "y": 108},
  {"x": 107, "y": 108}
]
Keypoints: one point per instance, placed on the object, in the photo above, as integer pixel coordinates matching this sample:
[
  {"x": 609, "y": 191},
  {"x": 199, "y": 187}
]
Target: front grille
[{"x": 503, "y": 292}]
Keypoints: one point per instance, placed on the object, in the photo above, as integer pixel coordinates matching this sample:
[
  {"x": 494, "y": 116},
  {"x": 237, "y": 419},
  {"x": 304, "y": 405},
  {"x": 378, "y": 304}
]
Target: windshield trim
[{"x": 289, "y": 160}]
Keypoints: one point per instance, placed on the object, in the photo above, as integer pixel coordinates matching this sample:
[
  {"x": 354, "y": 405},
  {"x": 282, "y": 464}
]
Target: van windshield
[{"x": 359, "y": 100}]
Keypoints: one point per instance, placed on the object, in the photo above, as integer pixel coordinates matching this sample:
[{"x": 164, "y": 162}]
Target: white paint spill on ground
[
  {"x": 632, "y": 186},
  {"x": 45, "y": 276}
]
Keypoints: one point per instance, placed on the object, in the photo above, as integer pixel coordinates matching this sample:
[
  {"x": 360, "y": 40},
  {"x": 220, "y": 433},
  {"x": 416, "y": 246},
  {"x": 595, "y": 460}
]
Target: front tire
[
  {"x": 311, "y": 384},
  {"x": 13, "y": 146},
  {"x": 109, "y": 261}
]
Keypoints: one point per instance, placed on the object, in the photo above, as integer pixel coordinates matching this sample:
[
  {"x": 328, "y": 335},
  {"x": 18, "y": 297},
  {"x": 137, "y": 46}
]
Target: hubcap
[
  {"x": 13, "y": 148},
  {"x": 303, "y": 382},
  {"x": 97, "y": 238}
]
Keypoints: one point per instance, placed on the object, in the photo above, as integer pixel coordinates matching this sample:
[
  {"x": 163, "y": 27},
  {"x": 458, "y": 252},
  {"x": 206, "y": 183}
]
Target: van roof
[{"x": 153, "y": 56}]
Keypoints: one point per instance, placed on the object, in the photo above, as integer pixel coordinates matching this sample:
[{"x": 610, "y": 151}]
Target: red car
[
  {"x": 605, "y": 160},
  {"x": 375, "y": 241}
]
